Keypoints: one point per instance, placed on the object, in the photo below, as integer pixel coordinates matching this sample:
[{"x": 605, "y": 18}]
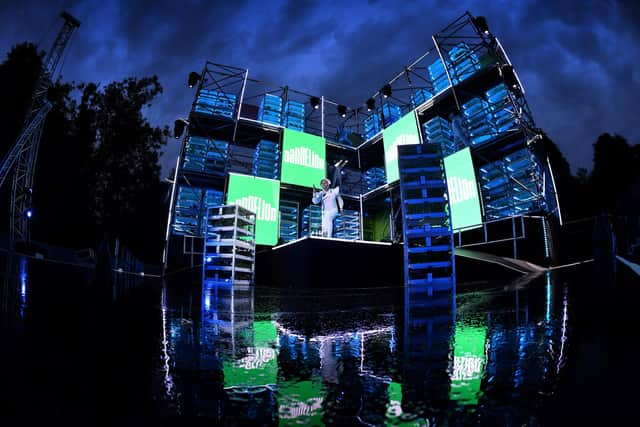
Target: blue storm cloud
[{"x": 577, "y": 60}]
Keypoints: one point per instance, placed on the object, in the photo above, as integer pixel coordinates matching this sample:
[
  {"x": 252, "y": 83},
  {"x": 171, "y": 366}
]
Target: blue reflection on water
[{"x": 308, "y": 359}]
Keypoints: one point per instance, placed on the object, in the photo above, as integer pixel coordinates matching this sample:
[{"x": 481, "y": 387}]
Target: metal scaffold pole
[{"x": 24, "y": 152}]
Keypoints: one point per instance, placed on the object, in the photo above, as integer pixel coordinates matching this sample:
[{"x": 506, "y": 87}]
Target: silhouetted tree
[
  {"x": 613, "y": 170},
  {"x": 126, "y": 195}
]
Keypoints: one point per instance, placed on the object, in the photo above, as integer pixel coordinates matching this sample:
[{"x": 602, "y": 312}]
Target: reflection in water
[{"x": 431, "y": 360}]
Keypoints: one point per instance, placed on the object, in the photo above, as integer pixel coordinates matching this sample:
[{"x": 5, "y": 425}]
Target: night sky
[{"x": 578, "y": 61}]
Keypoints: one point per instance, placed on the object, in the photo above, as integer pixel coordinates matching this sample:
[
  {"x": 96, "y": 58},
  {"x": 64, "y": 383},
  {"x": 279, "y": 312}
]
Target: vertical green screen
[
  {"x": 402, "y": 132},
  {"x": 259, "y": 195},
  {"x": 463, "y": 191},
  {"x": 303, "y": 158},
  {"x": 468, "y": 364}
]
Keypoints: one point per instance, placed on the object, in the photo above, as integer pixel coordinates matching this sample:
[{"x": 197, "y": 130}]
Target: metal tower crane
[{"x": 24, "y": 152}]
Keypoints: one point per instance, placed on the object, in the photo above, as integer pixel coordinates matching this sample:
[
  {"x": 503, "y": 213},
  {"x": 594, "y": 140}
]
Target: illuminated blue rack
[
  {"x": 215, "y": 103},
  {"x": 270, "y": 109},
  {"x": 502, "y": 114},
  {"x": 294, "y": 115},
  {"x": 205, "y": 156},
  {"x": 478, "y": 121},
  {"x": 438, "y": 76},
  {"x": 347, "y": 225},
  {"x": 464, "y": 60},
  {"x": 266, "y": 160},
  {"x": 419, "y": 97},
  {"x": 510, "y": 185},
  {"x": 391, "y": 113},
  {"x": 428, "y": 236},
  {"x": 374, "y": 178},
  {"x": 288, "y": 220},
  {"x": 312, "y": 221},
  {"x": 371, "y": 125},
  {"x": 438, "y": 131}
]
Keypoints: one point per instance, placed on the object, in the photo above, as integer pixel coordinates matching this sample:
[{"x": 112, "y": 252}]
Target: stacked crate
[
  {"x": 438, "y": 131},
  {"x": 195, "y": 154},
  {"x": 438, "y": 76},
  {"x": 502, "y": 113},
  {"x": 374, "y": 178},
  {"x": 372, "y": 125},
  {"x": 391, "y": 113},
  {"x": 288, "y": 221},
  {"x": 464, "y": 61},
  {"x": 217, "y": 155},
  {"x": 215, "y": 103},
  {"x": 312, "y": 221},
  {"x": 419, "y": 97},
  {"x": 347, "y": 225},
  {"x": 211, "y": 198},
  {"x": 428, "y": 235},
  {"x": 478, "y": 120},
  {"x": 522, "y": 166},
  {"x": 510, "y": 185},
  {"x": 188, "y": 212},
  {"x": 266, "y": 160},
  {"x": 270, "y": 109},
  {"x": 294, "y": 115}
]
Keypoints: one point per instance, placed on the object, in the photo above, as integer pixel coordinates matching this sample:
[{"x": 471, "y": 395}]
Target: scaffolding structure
[{"x": 464, "y": 92}]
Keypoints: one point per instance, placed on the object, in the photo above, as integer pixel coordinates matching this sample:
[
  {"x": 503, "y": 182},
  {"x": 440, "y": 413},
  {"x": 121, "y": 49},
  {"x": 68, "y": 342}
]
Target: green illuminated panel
[
  {"x": 260, "y": 365},
  {"x": 403, "y": 132},
  {"x": 303, "y": 158},
  {"x": 463, "y": 190},
  {"x": 261, "y": 196},
  {"x": 300, "y": 403},
  {"x": 468, "y": 364}
]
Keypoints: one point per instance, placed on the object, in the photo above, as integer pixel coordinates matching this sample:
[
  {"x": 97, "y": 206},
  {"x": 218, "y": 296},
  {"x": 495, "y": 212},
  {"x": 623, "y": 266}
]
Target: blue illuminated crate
[
  {"x": 438, "y": 76},
  {"x": 391, "y": 113},
  {"x": 371, "y": 126},
  {"x": 464, "y": 61},
  {"x": 420, "y": 97}
]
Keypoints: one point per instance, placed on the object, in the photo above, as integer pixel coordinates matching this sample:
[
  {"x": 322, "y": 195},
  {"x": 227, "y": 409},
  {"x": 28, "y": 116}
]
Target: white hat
[{"x": 326, "y": 179}]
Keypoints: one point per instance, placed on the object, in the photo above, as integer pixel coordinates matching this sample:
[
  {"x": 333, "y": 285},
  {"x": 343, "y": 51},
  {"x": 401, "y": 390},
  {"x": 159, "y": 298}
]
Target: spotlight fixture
[
  {"x": 371, "y": 104},
  {"x": 481, "y": 24},
  {"x": 342, "y": 110},
  {"x": 510, "y": 78},
  {"x": 386, "y": 90},
  {"x": 315, "y": 102},
  {"x": 178, "y": 128},
  {"x": 194, "y": 78}
]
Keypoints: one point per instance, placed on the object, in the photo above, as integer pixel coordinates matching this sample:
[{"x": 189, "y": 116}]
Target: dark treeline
[{"x": 98, "y": 171}]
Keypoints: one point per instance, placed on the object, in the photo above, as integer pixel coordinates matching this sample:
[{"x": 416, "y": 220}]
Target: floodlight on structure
[
  {"x": 386, "y": 90},
  {"x": 178, "y": 128},
  {"x": 194, "y": 78},
  {"x": 481, "y": 24},
  {"x": 371, "y": 104},
  {"x": 315, "y": 102},
  {"x": 342, "y": 110}
]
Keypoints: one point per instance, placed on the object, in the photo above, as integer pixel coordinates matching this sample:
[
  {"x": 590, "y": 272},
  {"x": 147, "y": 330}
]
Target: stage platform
[{"x": 323, "y": 263}]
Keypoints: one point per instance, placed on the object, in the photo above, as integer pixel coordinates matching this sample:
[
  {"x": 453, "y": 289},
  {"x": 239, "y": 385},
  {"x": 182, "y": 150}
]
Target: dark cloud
[{"x": 576, "y": 59}]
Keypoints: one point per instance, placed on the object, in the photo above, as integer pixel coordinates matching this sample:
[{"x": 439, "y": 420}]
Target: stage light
[
  {"x": 178, "y": 128},
  {"x": 315, "y": 102},
  {"x": 386, "y": 90},
  {"x": 342, "y": 110},
  {"x": 509, "y": 76},
  {"x": 194, "y": 78},
  {"x": 29, "y": 213},
  {"x": 481, "y": 24},
  {"x": 371, "y": 104}
]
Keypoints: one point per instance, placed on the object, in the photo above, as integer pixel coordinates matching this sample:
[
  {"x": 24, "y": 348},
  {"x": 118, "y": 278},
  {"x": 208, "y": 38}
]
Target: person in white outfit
[{"x": 330, "y": 198}]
